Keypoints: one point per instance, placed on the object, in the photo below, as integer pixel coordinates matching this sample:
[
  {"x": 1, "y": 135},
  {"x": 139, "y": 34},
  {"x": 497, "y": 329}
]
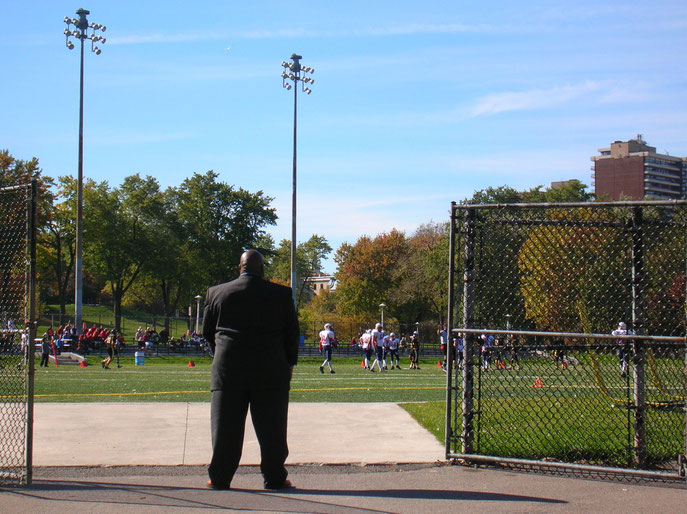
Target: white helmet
[
  {"x": 327, "y": 326},
  {"x": 622, "y": 326},
  {"x": 378, "y": 325}
]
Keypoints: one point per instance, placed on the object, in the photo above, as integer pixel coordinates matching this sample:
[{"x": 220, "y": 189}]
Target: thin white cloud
[
  {"x": 291, "y": 33},
  {"x": 621, "y": 94},
  {"x": 532, "y": 99},
  {"x": 425, "y": 28},
  {"x": 183, "y": 37},
  {"x": 400, "y": 30}
]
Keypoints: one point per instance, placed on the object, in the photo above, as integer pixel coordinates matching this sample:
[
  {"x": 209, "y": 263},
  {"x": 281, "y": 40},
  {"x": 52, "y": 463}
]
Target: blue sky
[{"x": 415, "y": 104}]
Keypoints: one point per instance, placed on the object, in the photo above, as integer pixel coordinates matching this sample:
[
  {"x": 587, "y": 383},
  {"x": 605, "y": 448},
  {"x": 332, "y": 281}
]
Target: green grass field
[
  {"x": 170, "y": 379},
  {"x": 576, "y": 414}
]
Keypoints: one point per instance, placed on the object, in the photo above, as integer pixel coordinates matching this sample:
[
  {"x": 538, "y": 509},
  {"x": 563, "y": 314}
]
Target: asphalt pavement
[{"x": 344, "y": 457}]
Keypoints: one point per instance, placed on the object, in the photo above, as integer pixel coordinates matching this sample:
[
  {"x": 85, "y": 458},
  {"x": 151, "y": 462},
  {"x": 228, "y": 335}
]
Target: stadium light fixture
[
  {"x": 293, "y": 71},
  {"x": 81, "y": 32}
]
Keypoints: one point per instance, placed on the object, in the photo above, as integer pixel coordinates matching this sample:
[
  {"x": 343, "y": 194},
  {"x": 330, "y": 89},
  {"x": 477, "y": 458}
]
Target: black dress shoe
[
  {"x": 286, "y": 484},
  {"x": 218, "y": 487}
]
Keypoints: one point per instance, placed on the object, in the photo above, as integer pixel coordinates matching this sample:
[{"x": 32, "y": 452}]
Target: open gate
[{"x": 569, "y": 325}]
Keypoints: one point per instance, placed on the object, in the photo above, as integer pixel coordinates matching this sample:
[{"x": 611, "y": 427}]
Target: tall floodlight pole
[
  {"x": 382, "y": 306},
  {"x": 80, "y": 31},
  {"x": 293, "y": 71}
]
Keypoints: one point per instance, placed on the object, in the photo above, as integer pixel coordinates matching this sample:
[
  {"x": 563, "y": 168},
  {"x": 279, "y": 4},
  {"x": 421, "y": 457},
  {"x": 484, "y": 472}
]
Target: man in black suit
[{"x": 252, "y": 328}]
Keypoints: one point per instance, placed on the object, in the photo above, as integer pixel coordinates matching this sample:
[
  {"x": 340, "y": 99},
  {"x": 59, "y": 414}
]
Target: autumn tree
[
  {"x": 573, "y": 271},
  {"x": 501, "y": 232},
  {"x": 365, "y": 273},
  {"x": 420, "y": 280}
]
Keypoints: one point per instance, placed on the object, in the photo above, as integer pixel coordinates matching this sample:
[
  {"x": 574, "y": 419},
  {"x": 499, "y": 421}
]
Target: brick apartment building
[{"x": 634, "y": 170}]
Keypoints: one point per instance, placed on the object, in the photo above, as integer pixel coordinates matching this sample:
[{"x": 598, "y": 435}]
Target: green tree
[
  {"x": 57, "y": 245},
  {"x": 15, "y": 172},
  {"x": 167, "y": 275},
  {"x": 501, "y": 194},
  {"x": 309, "y": 257},
  {"x": 219, "y": 223},
  {"x": 571, "y": 191},
  {"x": 118, "y": 230}
]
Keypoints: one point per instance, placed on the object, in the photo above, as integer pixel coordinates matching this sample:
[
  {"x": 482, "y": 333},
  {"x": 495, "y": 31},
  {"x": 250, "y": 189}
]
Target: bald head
[{"x": 252, "y": 261}]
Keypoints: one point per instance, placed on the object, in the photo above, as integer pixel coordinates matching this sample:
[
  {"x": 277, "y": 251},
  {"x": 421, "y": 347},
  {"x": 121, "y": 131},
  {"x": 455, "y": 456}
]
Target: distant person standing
[
  {"x": 327, "y": 339},
  {"x": 392, "y": 344},
  {"x": 46, "y": 344},
  {"x": 378, "y": 344},
  {"x": 138, "y": 338},
  {"x": 25, "y": 349},
  {"x": 485, "y": 350},
  {"x": 110, "y": 344},
  {"x": 414, "y": 351},
  {"x": 118, "y": 347},
  {"x": 252, "y": 327},
  {"x": 443, "y": 344},
  {"x": 458, "y": 343},
  {"x": 367, "y": 347},
  {"x": 623, "y": 347}
]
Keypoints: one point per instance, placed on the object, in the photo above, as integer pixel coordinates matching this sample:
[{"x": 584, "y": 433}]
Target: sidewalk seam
[{"x": 183, "y": 455}]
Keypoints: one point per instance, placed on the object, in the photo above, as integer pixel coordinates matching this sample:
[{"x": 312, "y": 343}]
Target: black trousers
[{"x": 269, "y": 412}]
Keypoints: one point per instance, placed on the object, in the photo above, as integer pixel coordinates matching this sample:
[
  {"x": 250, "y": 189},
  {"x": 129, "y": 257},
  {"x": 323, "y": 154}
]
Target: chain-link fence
[
  {"x": 570, "y": 335},
  {"x": 17, "y": 288}
]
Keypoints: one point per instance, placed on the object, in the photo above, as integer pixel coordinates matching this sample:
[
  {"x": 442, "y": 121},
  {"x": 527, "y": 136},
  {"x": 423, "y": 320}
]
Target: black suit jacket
[{"x": 252, "y": 328}]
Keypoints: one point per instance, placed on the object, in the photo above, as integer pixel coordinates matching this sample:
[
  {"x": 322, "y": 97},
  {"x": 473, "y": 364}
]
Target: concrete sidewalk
[{"x": 171, "y": 434}]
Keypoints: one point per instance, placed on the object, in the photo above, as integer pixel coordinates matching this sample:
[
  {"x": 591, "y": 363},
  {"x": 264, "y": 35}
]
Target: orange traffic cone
[
  {"x": 362, "y": 364},
  {"x": 83, "y": 364},
  {"x": 191, "y": 364},
  {"x": 537, "y": 383},
  {"x": 438, "y": 364}
]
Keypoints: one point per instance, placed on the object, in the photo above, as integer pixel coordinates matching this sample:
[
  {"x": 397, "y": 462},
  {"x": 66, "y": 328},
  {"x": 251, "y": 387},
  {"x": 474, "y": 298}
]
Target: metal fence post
[
  {"x": 468, "y": 344},
  {"x": 683, "y": 460},
  {"x": 449, "y": 327},
  {"x": 31, "y": 324},
  {"x": 638, "y": 345}
]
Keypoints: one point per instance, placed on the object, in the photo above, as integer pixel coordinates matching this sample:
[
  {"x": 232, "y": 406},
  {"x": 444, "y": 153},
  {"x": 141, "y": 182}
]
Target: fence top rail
[
  {"x": 14, "y": 330},
  {"x": 622, "y": 203},
  {"x": 511, "y": 332},
  {"x": 15, "y": 188}
]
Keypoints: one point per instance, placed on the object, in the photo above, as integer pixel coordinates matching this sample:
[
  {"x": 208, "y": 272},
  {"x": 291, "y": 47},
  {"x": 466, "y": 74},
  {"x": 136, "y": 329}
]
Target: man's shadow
[
  {"x": 428, "y": 494},
  {"x": 196, "y": 497}
]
